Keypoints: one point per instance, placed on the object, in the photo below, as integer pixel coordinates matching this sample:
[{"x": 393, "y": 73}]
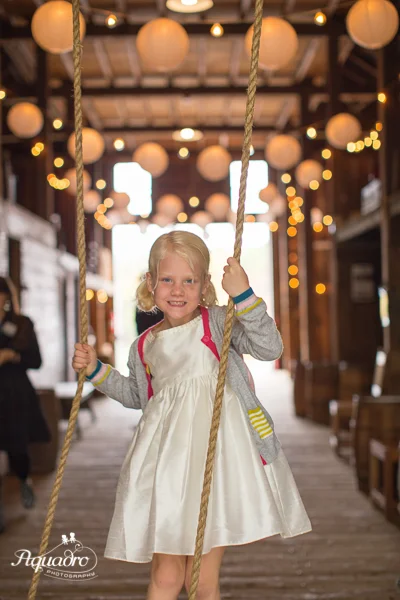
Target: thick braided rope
[
  {"x": 77, "y": 53},
  {"x": 251, "y": 96}
]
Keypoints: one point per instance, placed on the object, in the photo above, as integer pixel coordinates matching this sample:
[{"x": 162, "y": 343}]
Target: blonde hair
[{"x": 189, "y": 247}]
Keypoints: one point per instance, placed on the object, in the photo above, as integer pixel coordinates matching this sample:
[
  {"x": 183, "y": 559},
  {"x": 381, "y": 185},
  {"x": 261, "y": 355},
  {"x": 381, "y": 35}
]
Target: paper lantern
[
  {"x": 201, "y": 218},
  {"x": 283, "y": 152},
  {"x": 92, "y": 142},
  {"x": 121, "y": 200},
  {"x": 213, "y": 163},
  {"x": 278, "y": 206},
  {"x": 71, "y": 176},
  {"x": 161, "y": 220},
  {"x": 170, "y": 206},
  {"x": 268, "y": 193},
  {"x": 52, "y": 26},
  {"x": 91, "y": 200},
  {"x": 162, "y": 45},
  {"x": 372, "y": 24},
  {"x": 218, "y": 205},
  {"x": 278, "y": 44},
  {"x": 316, "y": 215},
  {"x": 152, "y": 158},
  {"x": 342, "y": 129},
  {"x": 25, "y": 120},
  {"x": 308, "y": 170}
]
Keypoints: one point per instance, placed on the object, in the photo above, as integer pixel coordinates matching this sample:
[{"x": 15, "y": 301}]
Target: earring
[{"x": 7, "y": 306}]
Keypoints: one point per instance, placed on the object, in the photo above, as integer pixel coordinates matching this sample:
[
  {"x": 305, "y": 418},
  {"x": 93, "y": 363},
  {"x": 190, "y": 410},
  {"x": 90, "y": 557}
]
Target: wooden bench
[
  {"x": 383, "y": 478},
  {"x": 340, "y": 439},
  {"x": 66, "y": 391},
  {"x": 372, "y": 418}
]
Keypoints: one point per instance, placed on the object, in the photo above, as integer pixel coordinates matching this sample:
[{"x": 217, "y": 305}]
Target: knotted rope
[
  {"x": 83, "y": 318},
  {"x": 212, "y": 443},
  {"x": 77, "y": 56}
]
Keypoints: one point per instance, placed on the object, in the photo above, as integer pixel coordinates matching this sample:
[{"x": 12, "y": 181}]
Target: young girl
[{"x": 173, "y": 371}]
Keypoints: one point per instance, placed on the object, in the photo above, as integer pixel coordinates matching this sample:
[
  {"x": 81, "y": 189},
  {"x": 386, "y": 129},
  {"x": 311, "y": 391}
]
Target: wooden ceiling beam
[
  {"x": 245, "y": 6},
  {"x": 307, "y": 60},
  {"x": 103, "y": 59},
  {"x": 133, "y": 60},
  {"x": 202, "y": 60},
  {"x": 234, "y": 65},
  {"x": 333, "y": 27},
  {"x": 286, "y": 113}
]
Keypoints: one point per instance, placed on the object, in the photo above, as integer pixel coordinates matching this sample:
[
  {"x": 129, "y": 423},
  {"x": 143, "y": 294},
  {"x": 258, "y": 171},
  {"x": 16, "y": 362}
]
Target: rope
[
  {"x": 251, "y": 97},
  {"x": 77, "y": 54}
]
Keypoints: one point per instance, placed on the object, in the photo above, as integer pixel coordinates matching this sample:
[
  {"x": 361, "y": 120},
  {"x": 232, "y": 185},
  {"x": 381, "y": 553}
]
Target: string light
[
  {"x": 382, "y": 97},
  {"x": 194, "y": 201},
  {"x": 368, "y": 141},
  {"x": 250, "y": 219},
  {"x": 376, "y": 144},
  {"x": 326, "y": 153},
  {"x": 3, "y": 94},
  {"x": 359, "y": 146},
  {"x": 108, "y": 202},
  {"x": 374, "y": 135},
  {"x": 111, "y": 21},
  {"x": 57, "y": 124},
  {"x": 312, "y": 133},
  {"x": 313, "y": 185},
  {"x": 292, "y": 220},
  {"x": 320, "y": 18},
  {"x": 273, "y": 226},
  {"x": 102, "y": 296},
  {"x": 320, "y": 288},
  {"x": 182, "y": 217},
  {"x": 327, "y": 174},
  {"x": 102, "y": 208},
  {"x": 183, "y": 153},
  {"x": 327, "y": 220},
  {"x": 291, "y": 231},
  {"x": 351, "y": 147},
  {"x": 378, "y": 126},
  {"x": 318, "y": 227},
  {"x": 89, "y": 295},
  {"x": 294, "y": 283},
  {"x": 217, "y": 30},
  {"x": 293, "y": 270},
  {"x": 290, "y": 191},
  {"x": 286, "y": 178},
  {"x": 101, "y": 184},
  {"x": 119, "y": 144},
  {"x": 58, "y": 162}
]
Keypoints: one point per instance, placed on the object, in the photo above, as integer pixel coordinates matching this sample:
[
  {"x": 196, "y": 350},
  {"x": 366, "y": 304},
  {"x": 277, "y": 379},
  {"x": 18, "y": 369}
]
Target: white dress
[{"x": 159, "y": 489}]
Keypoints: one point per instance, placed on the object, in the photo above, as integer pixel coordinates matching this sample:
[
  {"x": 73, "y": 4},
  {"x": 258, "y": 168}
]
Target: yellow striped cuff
[
  {"x": 106, "y": 374},
  {"x": 249, "y": 308}
]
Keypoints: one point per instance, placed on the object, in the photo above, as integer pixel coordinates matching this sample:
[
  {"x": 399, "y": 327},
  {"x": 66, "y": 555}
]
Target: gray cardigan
[{"x": 254, "y": 332}]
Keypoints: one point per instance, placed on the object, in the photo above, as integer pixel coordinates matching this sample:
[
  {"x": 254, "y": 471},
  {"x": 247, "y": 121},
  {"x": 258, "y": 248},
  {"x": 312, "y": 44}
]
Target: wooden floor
[{"x": 352, "y": 552}]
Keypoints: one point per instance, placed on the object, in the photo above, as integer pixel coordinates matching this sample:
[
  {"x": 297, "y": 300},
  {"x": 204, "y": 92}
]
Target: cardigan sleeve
[
  {"x": 254, "y": 332},
  {"x": 123, "y": 389}
]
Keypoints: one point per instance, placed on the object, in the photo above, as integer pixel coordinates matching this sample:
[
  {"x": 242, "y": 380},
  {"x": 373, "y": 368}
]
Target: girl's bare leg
[
  {"x": 208, "y": 587},
  {"x": 167, "y": 577}
]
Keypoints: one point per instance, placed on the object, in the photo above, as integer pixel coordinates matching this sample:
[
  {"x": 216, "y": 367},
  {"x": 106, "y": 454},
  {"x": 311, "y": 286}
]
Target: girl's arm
[{"x": 110, "y": 382}]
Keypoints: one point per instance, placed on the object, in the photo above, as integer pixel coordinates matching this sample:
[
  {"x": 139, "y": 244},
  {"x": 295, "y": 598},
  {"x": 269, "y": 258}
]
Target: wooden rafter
[
  {"x": 307, "y": 59},
  {"x": 202, "y": 60},
  {"x": 286, "y": 113},
  {"x": 102, "y": 59},
  {"x": 92, "y": 114},
  {"x": 245, "y": 6},
  {"x": 234, "y": 65},
  {"x": 133, "y": 59},
  {"x": 67, "y": 61},
  {"x": 289, "y": 7}
]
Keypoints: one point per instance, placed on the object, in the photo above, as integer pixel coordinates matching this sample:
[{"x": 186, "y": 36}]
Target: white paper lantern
[
  {"x": 268, "y": 193},
  {"x": 372, "y": 23},
  {"x": 213, "y": 163},
  {"x": 218, "y": 205},
  {"x": 162, "y": 45},
  {"x": 201, "y": 218},
  {"x": 170, "y": 205},
  {"x": 152, "y": 158},
  {"x": 342, "y": 129},
  {"x": 71, "y": 176},
  {"x": 91, "y": 200},
  {"x": 283, "y": 152},
  {"x": 25, "y": 120},
  {"x": 308, "y": 170},
  {"x": 278, "y": 206},
  {"x": 121, "y": 200},
  {"x": 93, "y": 145},
  {"x": 278, "y": 44},
  {"x": 52, "y": 26},
  {"x": 161, "y": 220}
]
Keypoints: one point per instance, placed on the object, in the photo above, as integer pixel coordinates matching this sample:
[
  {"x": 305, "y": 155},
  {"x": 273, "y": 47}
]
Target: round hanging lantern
[
  {"x": 213, "y": 163},
  {"x": 121, "y": 200},
  {"x": 283, "y": 152},
  {"x": 161, "y": 220},
  {"x": 372, "y": 24},
  {"x": 218, "y": 205},
  {"x": 92, "y": 142},
  {"x": 25, "y": 120},
  {"x": 342, "y": 129},
  {"x": 201, "y": 218},
  {"x": 91, "y": 200},
  {"x": 278, "y": 206},
  {"x": 52, "y": 26},
  {"x": 71, "y": 176},
  {"x": 162, "y": 45},
  {"x": 152, "y": 158},
  {"x": 268, "y": 193},
  {"x": 308, "y": 170},
  {"x": 170, "y": 206},
  {"x": 278, "y": 44}
]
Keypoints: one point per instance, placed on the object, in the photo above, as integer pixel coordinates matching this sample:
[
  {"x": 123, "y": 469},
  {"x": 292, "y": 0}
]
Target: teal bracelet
[
  {"x": 243, "y": 296},
  {"x": 97, "y": 369}
]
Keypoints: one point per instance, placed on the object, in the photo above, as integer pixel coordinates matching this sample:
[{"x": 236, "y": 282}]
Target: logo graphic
[{"x": 69, "y": 560}]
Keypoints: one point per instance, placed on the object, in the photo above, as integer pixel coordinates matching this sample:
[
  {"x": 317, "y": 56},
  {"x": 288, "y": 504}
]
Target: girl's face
[{"x": 178, "y": 289}]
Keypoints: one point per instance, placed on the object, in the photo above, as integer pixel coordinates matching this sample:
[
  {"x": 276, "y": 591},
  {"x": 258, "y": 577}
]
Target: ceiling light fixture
[
  {"x": 189, "y": 6},
  {"x": 217, "y": 30},
  {"x": 187, "y": 134}
]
